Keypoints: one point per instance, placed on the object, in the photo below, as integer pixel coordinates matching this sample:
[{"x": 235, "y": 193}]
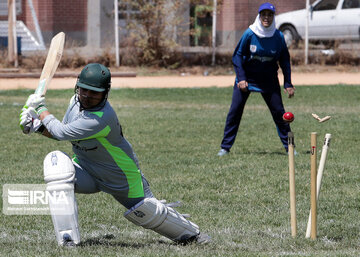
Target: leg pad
[
  {"x": 59, "y": 174},
  {"x": 152, "y": 214}
]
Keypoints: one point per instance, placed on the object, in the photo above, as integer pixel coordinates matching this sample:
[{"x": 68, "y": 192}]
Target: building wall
[
  {"x": 235, "y": 16},
  {"x": 55, "y": 16},
  {"x": 90, "y": 22},
  {"x": 100, "y": 32}
]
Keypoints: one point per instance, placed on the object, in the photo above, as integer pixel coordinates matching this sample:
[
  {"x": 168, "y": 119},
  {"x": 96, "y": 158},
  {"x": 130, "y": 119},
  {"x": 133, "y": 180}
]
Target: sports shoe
[
  {"x": 200, "y": 239},
  {"x": 67, "y": 241},
  {"x": 222, "y": 152},
  {"x": 295, "y": 153}
]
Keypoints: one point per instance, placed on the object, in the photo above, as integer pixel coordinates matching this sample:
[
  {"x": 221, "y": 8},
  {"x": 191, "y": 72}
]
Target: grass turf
[{"x": 240, "y": 200}]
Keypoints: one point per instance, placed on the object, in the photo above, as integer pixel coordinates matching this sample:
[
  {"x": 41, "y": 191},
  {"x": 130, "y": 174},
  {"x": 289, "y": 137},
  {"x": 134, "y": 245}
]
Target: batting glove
[
  {"x": 29, "y": 121},
  {"x": 37, "y": 102}
]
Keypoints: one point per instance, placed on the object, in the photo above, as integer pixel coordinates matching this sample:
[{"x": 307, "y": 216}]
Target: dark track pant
[{"x": 239, "y": 98}]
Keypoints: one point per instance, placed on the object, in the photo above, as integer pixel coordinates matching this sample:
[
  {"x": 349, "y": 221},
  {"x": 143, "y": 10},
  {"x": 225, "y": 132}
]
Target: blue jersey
[{"x": 257, "y": 61}]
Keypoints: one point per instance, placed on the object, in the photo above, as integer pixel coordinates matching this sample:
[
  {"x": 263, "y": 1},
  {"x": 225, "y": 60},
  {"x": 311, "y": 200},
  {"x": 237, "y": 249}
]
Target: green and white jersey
[{"x": 100, "y": 148}]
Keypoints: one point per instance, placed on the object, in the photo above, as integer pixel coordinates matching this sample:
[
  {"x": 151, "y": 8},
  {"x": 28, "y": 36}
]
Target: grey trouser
[{"x": 86, "y": 184}]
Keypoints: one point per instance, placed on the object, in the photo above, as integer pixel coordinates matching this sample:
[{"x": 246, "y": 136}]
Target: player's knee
[{"x": 58, "y": 168}]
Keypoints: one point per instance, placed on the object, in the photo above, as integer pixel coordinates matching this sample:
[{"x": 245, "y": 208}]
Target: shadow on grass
[
  {"x": 264, "y": 153},
  {"x": 271, "y": 153},
  {"x": 106, "y": 240}
]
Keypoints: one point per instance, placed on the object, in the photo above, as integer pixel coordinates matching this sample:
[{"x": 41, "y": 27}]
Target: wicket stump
[
  {"x": 292, "y": 184},
  {"x": 313, "y": 165},
  {"x": 320, "y": 172}
]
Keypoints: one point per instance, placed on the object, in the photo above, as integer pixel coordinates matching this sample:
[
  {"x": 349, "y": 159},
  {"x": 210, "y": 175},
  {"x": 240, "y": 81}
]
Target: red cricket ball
[{"x": 288, "y": 117}]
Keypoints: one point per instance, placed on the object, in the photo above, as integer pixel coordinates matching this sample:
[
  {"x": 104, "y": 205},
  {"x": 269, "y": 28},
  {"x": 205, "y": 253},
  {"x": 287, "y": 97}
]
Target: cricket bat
[{"x": 51, "y": 63}]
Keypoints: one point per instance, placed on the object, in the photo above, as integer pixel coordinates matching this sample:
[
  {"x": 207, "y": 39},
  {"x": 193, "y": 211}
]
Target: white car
[{"x": 329, "y": 20}]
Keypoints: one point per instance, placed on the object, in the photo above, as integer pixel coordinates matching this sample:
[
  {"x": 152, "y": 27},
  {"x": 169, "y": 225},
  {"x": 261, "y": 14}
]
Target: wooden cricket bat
[{"x": 51, "y": 63}]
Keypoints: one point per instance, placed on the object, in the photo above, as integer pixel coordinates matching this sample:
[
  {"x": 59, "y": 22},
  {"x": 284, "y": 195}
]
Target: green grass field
[{"x": 241, "y": 200}]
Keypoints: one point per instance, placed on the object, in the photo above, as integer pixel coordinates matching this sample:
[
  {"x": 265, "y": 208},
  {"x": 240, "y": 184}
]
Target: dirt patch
[
  {"x": 194, "y": 77},
  {"x": 185, "y": 81}
]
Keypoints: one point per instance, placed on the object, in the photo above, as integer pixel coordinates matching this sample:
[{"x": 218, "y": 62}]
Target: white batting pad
[
  {"x": 152, "y": 214},
  {"x": 59, "y": 174},
  {"x": 58, "y": 168}
]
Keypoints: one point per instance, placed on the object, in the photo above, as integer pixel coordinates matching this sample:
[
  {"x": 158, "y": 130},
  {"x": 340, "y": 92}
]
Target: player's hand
[
  {"x": 37, "y": 102},
  {"x": 243, "y": 85},
  {"x": 25, "y": 121},
  {"x": 290, "y": 91},
  {"x": 29, "y": 120},
  {"x": 34, "y": 100}
]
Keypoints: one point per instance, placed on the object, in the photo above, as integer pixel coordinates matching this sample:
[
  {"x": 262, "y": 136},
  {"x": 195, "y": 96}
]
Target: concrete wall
[
  {"x": 181, "y": 37},
  {"x": 100, "y": 30}
]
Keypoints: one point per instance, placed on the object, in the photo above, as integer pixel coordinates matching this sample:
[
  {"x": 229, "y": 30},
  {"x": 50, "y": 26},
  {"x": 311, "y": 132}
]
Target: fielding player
[
  {"x": 255, "y": 61},
  {"x": 103, "y": 161}
]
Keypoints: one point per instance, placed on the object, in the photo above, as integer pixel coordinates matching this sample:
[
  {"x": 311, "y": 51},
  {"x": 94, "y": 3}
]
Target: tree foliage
[{"x": 155, "y": 28}]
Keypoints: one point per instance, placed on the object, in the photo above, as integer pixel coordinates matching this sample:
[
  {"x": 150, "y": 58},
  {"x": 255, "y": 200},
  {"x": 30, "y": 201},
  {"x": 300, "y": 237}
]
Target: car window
[
  {"x": 349, "y": 4},
  {"x": 326, "y": 5}
]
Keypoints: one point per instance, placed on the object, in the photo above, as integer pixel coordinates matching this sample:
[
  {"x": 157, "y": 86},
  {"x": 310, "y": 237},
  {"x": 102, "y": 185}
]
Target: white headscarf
[{"x": 260, "y": 30}]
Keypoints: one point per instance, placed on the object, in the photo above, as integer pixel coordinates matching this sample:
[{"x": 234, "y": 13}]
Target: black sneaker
[{"x": 67, "y": 241}]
